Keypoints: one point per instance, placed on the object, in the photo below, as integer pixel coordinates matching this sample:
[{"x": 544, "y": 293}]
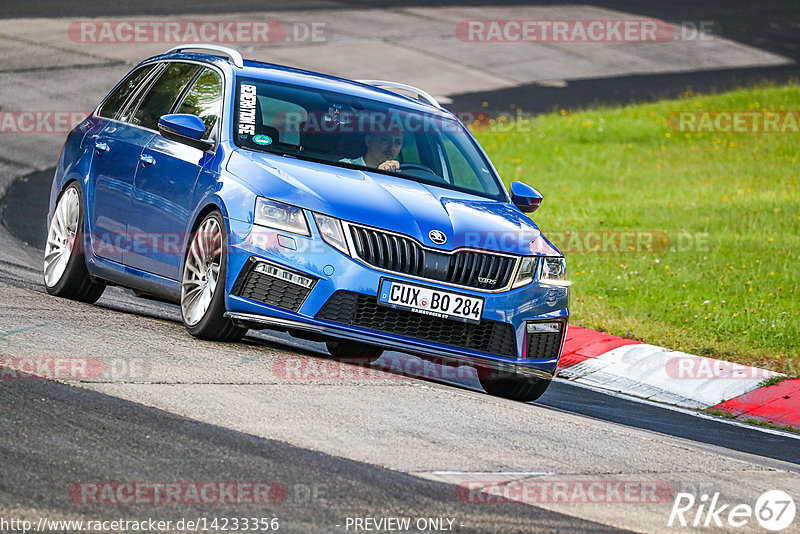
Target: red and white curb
[{"x": 673, "y": 377}]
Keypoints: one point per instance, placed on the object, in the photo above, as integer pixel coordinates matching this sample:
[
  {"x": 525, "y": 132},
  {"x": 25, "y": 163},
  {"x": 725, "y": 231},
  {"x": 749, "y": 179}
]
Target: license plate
[{"x": 428, "y": 301}]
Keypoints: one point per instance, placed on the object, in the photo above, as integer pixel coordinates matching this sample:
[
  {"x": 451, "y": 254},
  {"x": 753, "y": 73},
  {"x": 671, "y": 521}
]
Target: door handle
[
  {"x": 100, "y": 146},
  {"x": 147, "y": 159}
]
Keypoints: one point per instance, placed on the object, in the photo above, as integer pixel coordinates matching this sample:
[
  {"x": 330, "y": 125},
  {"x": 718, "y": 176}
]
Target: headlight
[
  {"x": 527, "y": 268},
  {"x": 554, "y": 272},
  {"x": 332, "y": 232},
  {"x": 280, "y": 216}
]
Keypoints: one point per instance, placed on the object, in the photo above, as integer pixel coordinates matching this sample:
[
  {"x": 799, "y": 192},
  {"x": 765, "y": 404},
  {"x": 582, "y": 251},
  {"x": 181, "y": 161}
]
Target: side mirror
[
  {"x": 186, "y": 129},
  {"x": 525, "y": 197}
]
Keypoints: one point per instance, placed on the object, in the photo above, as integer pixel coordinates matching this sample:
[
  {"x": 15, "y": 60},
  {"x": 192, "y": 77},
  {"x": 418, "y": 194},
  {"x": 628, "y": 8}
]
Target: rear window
[
  {"x": 163, "y": 94},
  {"x": 120, "y": 94}
]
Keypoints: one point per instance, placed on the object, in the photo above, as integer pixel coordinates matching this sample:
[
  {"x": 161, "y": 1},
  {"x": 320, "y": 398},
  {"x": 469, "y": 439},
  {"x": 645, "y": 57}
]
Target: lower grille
[
  {"x": 543, "y": 346},
  {"x": 261, "y": 287},
  {"x": 355, "y": 309}
]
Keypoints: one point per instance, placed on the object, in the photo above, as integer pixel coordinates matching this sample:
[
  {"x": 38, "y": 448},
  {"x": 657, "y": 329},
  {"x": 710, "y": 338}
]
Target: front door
[{"x": 163, "y": 191}]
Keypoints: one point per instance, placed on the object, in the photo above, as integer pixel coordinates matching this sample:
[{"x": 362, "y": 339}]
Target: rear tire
[
  {"x": 64, "y": 266},
  {"x": 203, "y": 283},
  {"x": 354, "y": 350},
  {"x": 512, "y": 388}
]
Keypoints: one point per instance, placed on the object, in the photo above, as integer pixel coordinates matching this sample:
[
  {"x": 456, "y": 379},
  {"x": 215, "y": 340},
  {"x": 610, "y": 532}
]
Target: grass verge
[{"x": 756, "y": 422}]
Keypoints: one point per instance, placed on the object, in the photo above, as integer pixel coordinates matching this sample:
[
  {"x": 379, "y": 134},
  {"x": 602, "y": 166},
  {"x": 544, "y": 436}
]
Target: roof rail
[
  {"x": 421, "y": 95},
  {"x": 235, "y": 56}
]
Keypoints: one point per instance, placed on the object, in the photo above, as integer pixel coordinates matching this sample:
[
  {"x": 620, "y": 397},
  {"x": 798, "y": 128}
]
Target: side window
[
  {"x": 410, "y": 152},
  {"x": 163, "y": 94},
  {"x": 463, "y": 174},
  {"x": 204, "y": 99},
  {"x": 117, "y": 98}
]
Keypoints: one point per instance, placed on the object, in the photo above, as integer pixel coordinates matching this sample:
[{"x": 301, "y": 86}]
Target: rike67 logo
[{"x": 774, "y": 510}]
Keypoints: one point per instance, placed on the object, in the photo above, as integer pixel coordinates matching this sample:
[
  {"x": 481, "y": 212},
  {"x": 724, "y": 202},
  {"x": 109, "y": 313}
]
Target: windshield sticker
[
  {"x": 247, "y": 110},
  {"x": 262, "y": 139}
]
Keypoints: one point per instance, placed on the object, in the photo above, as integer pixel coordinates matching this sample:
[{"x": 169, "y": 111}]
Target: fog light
[
  {"x": 542, "y": 328},
  {"x": 283, "y": 274}
]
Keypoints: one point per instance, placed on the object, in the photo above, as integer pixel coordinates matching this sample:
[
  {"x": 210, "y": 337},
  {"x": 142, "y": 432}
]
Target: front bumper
[{"x": 500, "y": 342}]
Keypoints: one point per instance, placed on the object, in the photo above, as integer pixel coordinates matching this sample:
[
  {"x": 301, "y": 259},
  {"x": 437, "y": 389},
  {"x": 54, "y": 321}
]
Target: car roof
[{"x": 311, "y": 79}]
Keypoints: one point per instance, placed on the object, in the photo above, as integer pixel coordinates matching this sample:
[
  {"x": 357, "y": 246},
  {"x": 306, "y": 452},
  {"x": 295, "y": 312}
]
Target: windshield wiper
[{"x": 285, "y": 150}]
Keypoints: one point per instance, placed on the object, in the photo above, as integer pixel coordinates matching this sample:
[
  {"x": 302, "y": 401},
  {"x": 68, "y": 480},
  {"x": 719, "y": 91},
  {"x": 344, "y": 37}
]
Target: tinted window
[
  {"x": 118, "y": 97},
  {"x": 204, "y": 99},
  {"x": 410, "y": 150},
  {"x": 464, "y": 173},
  {"x": 274, "y": 113},
  {"x": 163, "y": 94}
]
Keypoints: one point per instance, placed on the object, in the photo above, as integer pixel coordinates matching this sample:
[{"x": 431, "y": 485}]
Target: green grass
[
  {"x": 773, "y": 381},
  {"x": 622, "y": 169},
  {"x": 750, "y": 421}
]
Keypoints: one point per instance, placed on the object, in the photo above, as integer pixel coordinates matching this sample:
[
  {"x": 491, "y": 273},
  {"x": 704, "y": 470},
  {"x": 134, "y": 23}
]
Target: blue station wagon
[{"x": 357, "y": 213}]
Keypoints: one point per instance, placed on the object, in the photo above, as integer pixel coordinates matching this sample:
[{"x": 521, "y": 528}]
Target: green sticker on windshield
[{"x": 262, "y": 139}]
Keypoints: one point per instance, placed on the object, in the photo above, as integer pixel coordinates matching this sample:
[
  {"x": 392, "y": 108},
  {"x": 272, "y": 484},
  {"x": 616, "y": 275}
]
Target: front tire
[
  {"x": 65, "y": 273},
  {"x": 513, "y": 388},
  {"x": 203, "y": 283}
]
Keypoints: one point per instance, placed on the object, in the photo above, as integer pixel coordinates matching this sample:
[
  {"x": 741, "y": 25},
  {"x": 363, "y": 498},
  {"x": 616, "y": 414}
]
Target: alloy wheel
[
  {"x": 201, "y": 271},
  {"x": 61, "y": 237}
]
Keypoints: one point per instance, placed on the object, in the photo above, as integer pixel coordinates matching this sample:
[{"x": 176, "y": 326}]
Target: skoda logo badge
[{"x": 437, "y": 236}]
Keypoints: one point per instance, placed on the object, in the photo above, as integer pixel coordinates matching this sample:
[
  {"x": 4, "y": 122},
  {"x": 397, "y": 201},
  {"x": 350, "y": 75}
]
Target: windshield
[{"x": 349, "y": 131}]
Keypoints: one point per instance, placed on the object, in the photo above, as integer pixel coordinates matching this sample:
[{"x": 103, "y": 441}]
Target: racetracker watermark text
[
  {"x": 161, "y": 245},
  {"x": 40, "y": 121},
  {"x": 733, "y": 121},
  {"x": 690, "y": 367},
  {"x": 354, "y": 368},
  {"x": 194, "y": 31},
  {"x": 583, "y": 31},
  {"x": 565, "y": 491},
  {"x": 80, "y": 368},
  {"x": 177, "y": 493}
]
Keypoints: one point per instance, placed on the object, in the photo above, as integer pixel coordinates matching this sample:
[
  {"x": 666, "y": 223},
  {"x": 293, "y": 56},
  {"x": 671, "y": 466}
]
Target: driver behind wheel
[{"x": 383, "y": 149}]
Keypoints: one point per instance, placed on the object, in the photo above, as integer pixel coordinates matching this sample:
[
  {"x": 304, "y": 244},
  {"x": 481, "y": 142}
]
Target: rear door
[
  {"x": 161, "y": 204},
  {"x": 116, "y": 147}
]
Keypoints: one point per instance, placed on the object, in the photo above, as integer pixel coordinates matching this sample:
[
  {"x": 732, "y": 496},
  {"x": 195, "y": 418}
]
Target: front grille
[
  {"x": 468, "y": 268},
  {"x": 262, "y": 287},
  {"x": 355, "y": 309},
  {"x": 404, "y": 255},
  {"x": 543, "y": 345}
]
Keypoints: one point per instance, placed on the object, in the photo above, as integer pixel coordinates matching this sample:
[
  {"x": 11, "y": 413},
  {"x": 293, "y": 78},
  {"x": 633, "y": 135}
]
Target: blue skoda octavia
[{"x": 358, "y": 213}]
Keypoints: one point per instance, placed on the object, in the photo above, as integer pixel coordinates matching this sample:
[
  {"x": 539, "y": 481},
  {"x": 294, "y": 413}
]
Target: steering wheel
[{"x": 416, "y": 167}]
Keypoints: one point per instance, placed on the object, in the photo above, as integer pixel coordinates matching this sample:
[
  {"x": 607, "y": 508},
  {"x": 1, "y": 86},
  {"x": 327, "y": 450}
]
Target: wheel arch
[
  {"x": 212, "y": 204},
  {"x": 59, "y": 186}
]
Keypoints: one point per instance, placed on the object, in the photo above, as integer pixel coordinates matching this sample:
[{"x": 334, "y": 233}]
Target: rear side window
[
  {"x": 204, "y": 99},
  {"x": 163, "y": 94},
  {"x": 117, "y": 98}
]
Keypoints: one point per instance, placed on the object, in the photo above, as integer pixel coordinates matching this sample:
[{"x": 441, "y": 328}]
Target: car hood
[{"x": 392, "y": 203}]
